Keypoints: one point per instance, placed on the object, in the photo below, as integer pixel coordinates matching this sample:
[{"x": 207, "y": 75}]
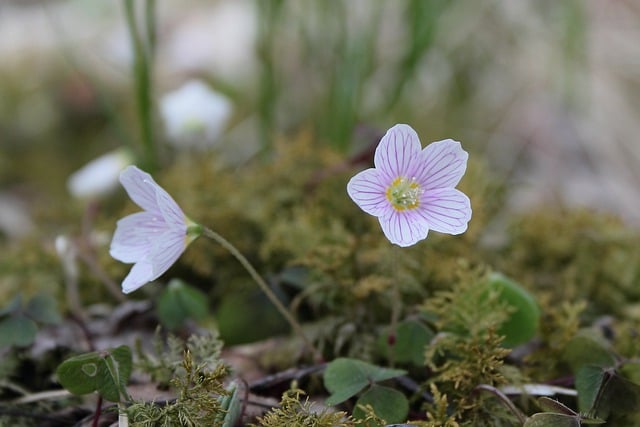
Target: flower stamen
[{"x": 404, "y": 193}]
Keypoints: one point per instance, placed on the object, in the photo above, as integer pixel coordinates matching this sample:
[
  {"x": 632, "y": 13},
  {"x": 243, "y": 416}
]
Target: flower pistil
[{"x": 404, "y": 193}]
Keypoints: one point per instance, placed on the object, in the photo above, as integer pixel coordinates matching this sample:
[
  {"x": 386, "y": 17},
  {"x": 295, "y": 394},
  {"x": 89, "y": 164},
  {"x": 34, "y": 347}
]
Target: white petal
[
  {"x": 404, "y": 228},
  {"x": 398, "y": 152},
  {"x": 444, "y": 163},
  {"x": 140, "y": 275},
  {"x": 100, "y": 176},
  {"x": 446, "y": 210},
  {"x": 166, "y": 251},
  {"x": 141, "y": 188},
  {"x": 135, "y": 235},
  {"x": 170, "y": 210},
  {"x": 367, "y": 190}
]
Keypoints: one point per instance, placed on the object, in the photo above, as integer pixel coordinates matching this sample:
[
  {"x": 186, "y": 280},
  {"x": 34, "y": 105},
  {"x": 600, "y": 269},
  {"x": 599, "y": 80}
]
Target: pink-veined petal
[
  {"x": 404, "y": 228},
  {"x": 369, "y": 192},
  {"x": 134, "y": 236},
  {"x": 444, "y": 163},
  {"x": 397, "y": 153},
  {"x": 140, "y": 275},
  {"x": 166, "y": 251},
  {"x": 446, "y": 210},
  {"x": 141, "y": 188}
]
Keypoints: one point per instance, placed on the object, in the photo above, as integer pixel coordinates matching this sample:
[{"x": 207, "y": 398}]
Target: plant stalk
[{"x": 264, "y": 287}]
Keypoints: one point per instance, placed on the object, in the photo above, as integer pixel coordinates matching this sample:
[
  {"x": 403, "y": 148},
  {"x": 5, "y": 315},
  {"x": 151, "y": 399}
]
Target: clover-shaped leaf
[
  {"x": 411, "y": 338},
  {"x": 388, "y": 404},
  {"x": 178, "y": 302},
  {"x": 344, "y": 378},
  {"x": 522, "y": 323},
  {"x": 105, "y": 372}
]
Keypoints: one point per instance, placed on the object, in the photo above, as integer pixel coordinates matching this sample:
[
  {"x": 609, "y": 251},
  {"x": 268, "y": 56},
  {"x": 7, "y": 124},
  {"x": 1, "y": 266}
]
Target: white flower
[
  {"x": 153, "y": 239},
  {"x": 194, "y": 115},
  {"x": 100, "y": 176},
  {"x": 411, "y": 189}
]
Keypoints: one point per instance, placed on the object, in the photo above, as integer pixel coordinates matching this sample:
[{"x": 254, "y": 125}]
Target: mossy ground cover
[{"x": 531, "y": 317}]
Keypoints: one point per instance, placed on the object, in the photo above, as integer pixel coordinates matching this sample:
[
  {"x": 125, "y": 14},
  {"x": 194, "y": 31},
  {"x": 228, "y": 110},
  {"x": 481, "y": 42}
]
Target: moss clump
[{"x": 467, "y": 351}]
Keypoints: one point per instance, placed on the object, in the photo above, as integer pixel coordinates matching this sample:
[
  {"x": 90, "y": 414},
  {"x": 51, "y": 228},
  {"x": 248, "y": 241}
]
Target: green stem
[
  {"x": 264, "y": 287},
  {"x": 142, "y": 79},
  {"x": 396, "y": 302},
  {"x": 504, "y": 399}
]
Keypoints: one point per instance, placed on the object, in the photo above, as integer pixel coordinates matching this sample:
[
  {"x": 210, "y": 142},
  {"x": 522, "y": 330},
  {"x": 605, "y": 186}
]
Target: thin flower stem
[
  {"x": 503, "y": 398},
  {"x": 396, "y": 303},
  {"x": 264, "y": 287}
]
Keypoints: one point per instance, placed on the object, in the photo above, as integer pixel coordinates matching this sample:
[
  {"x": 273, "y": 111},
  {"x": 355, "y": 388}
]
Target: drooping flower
[
  {"x": 100, "y": 176},
  {"x": 153, "y": 239},
  {"x": 412, "y": 190},
  {"x": 194, "y": 115}
]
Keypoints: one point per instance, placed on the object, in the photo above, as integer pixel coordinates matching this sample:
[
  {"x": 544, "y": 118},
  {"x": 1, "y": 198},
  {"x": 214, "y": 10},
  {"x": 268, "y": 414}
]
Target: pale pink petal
[
  {"x": 166, "y": 251},
  {"x": 170, "y": 210},
  {"x": 368, "y": 191},
  {"x": 141, "y": 188},
  {"x": 397, "y": 153},
  {"x": 446, "y": 210},
  {"x": 134, "y": 236},
  {"x": 404, "y": 228},
  {"x": 140, "y": 274},
  {"x": 444, "y": 163}
]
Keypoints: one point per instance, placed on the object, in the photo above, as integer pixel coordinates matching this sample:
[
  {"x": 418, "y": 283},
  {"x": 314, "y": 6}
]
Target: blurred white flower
[
  {"x": 100, "y": 176},
  {"x": 194, "y": 115},
  {"x": 216, "y": 37}
]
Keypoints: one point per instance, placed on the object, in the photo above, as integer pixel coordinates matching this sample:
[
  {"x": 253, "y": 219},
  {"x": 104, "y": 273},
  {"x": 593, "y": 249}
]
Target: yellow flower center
[{"x": 404, "y": 193}]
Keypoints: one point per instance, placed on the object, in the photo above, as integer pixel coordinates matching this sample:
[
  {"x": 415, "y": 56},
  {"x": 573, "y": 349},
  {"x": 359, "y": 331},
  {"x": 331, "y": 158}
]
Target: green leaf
[
  {"x": 179, "y": 302},
  {"x": 43, "y": 308},
  {"x": 105, "y": 372},
  {"x": 232, "y": 405},
  {"x": 547, "y": 419},
  {"x": 588, "y": 348},
  {"x": 389, "y": 404},
  {"x": 344, "y": 378},
  {"x": 17, "y": 330},
  {"x": 617, "y": 395},
  {"x": 12, "y": 306},
  {"x": 411, "y": 339},
  {"x": 551, "y": 405},
  {"x": 522, "y": 323},
  {"x": 588, "y": 383},
  {"x": 114, "y": 374},
  {"x": 78, "y": 374}
]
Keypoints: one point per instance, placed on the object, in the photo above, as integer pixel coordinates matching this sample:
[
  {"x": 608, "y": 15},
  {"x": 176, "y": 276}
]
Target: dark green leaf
[
  {"x": 618, "y": 395},
  {"x": 179, "y": 302},
  {"x": 411, "y": 339},
  {"x": 551, "y": 405},
  {"x": 12, "y": 306},
  {"x": 344, "y": 378},
  {"x": 43, "y": 308},
  {"x": 17, "y": 330},
  {"x": 588, "y": 348},
  {"x": 114, "y": 374},
  {"x": 546, "y": 419},
  {"x": 389, "y": 404},
  {"x": 522, "y": 323},
  {"x": 588, "y": 382},
  {"x": 106, "y": 372},
  {"x": 79, "y": 374}
]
